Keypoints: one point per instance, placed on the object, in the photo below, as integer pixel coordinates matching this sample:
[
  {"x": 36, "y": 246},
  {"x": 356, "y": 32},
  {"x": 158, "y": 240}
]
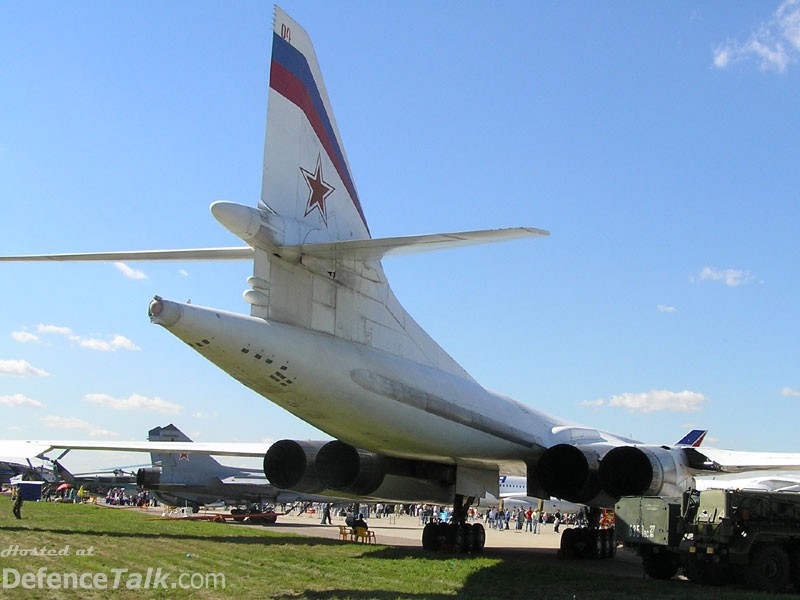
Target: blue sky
[{"x": 658, "y": 142}]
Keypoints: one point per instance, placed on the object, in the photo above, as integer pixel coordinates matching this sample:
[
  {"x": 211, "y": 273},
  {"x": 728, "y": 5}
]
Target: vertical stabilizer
[
  {"x": 309, "y": 197},
  {"x": 182, "y": 466},
  {"x": 306, "y": 175}
]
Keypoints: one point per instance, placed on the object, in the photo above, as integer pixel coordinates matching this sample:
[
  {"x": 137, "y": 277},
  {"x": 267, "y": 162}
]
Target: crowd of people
[{"x": 522, "y": 519}]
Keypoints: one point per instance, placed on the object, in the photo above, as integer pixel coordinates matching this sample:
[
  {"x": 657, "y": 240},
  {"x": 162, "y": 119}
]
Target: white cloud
[
  {"x": 122, "y": 343},
  {"x": 134, "y": 402},
  {"x": 775, "y": 43},
  {"x": 730, "y": 277},
  {"x": 20, "y": 368},
  {"x": 595, "y": 403},
  {"x": 205, "y": 415},
  {"x": 666, "y": 309},
  {"x": 53, "y": 329},
  {"x": 129, "y": 272},
  {"x": 56, "y": 422},
  {"x": 23, "y": 337},
  {"x": 787, "y": 391},
  {"x": 118, "y": 342},
  {"x": 183, "y": 272},
  {"x": 654, "y": 401},
  {"x": 19, "y": 400}
]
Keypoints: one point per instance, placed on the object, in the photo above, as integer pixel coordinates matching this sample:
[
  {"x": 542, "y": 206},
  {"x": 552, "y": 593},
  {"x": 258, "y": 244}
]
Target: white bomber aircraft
[{"x": 327, "y": 340}]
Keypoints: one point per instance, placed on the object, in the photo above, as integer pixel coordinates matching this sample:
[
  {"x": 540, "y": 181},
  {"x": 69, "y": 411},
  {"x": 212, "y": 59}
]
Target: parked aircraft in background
[
  {"x": 191, "y": 479},
  {"x": 327, "y": 340},
  {"x": 195, "y": 479}
]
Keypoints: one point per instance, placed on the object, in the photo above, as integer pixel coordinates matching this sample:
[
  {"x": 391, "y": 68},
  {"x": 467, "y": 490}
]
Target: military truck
[{"x": 716, "y": 536}]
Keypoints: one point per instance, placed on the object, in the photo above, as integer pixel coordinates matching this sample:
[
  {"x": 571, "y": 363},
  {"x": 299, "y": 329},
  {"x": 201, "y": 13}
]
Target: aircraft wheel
[
  {"x": 470, "y": 529},
  {"x": 430, "y": 537},
  {"x": 459, "y": 533},
  {"x": 567, "y": 547},
  {"x": 597, "y": 545},
  {"x": 480, "y": 537},
  {"x": 612, "y": 542}
]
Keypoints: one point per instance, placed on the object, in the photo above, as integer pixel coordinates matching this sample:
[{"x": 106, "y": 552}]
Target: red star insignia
[
  {"x": 318, "y": 191},
  {"x": 183, "y": 456}
]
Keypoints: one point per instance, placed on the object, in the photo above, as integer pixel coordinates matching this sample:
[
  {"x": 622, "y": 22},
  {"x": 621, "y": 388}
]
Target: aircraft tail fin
[
  {"x": 306, "y": 176},
  {"x": 188, "y": 467},
  {"x": 693, "y": 439}
]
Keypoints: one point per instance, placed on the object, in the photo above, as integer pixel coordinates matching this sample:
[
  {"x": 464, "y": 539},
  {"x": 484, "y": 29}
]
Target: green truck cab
[{"x": 716, "y": 536}]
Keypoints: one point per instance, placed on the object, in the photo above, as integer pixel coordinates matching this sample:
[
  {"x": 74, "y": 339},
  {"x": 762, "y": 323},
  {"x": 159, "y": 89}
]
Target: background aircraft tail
[
  {"x": 182, "y": 466},
  {"x": 693, "y": 439}
]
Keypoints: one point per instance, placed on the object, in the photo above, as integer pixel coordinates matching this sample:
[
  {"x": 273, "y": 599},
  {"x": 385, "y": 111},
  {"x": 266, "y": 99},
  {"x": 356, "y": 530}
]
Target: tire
[
  {"x": 794, "y": 561},
  {"x": 238, "y": 514},
  {"x": 567, "y": 548},
  {"x": 480, "y": 537},
  {"x": 769, "y": 568},
  {"x": 460, "y": 544},
  {"x": 662, "y": 565},
  {"x": 470, "y": 537},
  {"x": 430, "y": 537}
]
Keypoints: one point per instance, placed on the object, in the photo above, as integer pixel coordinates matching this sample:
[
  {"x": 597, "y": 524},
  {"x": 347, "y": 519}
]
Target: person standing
[
  {"x": 326, "y": 514},
  {"x": 16, "y": 496}
]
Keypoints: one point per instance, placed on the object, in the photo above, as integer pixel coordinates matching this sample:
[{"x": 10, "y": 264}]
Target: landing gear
[
  {"x": 458, "y": 535},
  {"x": 588, "y": 542}
]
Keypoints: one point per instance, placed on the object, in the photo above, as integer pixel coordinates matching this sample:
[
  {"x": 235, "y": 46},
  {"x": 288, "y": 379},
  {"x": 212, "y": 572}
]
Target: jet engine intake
[
  {"x": 148, "y": 478},
  {"x": 289, "y": 464}
]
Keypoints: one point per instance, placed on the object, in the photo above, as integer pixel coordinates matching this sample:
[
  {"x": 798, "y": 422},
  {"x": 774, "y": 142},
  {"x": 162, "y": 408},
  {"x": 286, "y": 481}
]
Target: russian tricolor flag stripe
[{"x": 291, "y": 77}]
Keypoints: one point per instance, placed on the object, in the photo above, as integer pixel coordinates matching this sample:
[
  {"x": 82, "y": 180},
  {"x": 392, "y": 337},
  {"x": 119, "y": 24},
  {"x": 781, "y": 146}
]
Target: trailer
[{"x": 716, "y": 536}]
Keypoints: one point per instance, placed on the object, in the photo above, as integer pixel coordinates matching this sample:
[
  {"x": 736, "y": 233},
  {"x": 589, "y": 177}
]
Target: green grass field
[{"x": 96, "y": 542}]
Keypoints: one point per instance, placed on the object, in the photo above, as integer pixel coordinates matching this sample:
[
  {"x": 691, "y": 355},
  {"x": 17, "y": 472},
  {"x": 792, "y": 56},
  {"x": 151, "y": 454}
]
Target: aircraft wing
[
  {"x": 235, "y": 253},
  {"x": 33, "y": 448},
  {"x": 734, "y": 461}
]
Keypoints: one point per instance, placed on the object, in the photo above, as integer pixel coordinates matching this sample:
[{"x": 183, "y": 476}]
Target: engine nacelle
[
  {"x": 289, "y": 464},
  {"x": 339, "y": 469},
  {"x": 148, "y": 478},
  {"x": 351, "y": 471},
  {"x": 570, "y": 472},
  {"x": 343, "y": 468},
  {"x": 644, "y": 471}
]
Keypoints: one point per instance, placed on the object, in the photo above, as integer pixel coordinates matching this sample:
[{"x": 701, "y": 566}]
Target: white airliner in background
[{"x": 327, "y": 340}]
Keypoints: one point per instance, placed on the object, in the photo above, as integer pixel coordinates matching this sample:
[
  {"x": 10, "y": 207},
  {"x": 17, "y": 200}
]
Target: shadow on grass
[
  {"x": 265, "y": 540},
  {"x": 517, "y": 576}
]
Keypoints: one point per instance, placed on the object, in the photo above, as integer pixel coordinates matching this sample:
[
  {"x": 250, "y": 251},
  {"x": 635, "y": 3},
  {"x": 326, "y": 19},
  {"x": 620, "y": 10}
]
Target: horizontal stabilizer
[
  {"x": 375, "y": 249},
  {"x": 237, "y": 253},
  {"x": 368, "y": 249}
]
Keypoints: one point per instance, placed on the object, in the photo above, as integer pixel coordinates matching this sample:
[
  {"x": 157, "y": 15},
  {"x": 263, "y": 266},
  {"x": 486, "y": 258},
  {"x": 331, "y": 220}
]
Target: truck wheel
[
  {"x": 794, "y": 560},
  {"x": 660, "y": 566},
  {"x": 768, "y": 569}
]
